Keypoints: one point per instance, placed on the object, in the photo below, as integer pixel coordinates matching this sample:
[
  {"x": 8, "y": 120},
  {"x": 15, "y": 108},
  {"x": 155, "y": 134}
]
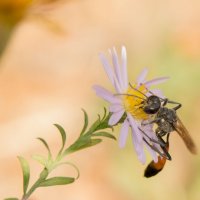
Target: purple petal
[
  {"x": 124, "y": 67},
  {"x": 158, "y": 93},
  {"x": 153, "y": 153},
  {"x": 142, "y": 157},
  {"x": 107, "y": 68},
  {"x": 142, "y": 76},
  {"x": 123, "y": 133},
  {"x": 116, "y": 108},
  {"x": 134, "y": 126},
  {"x": 156, "y": 81},
  {"x": 115, "y": 117},
  {"x": 106, "y": 95},
  {"x": 116, "y": 66},
  {"x": 148, "y": 129},
  {"x": 117, "y": 86},
  {"x": 138, "y": 147}
]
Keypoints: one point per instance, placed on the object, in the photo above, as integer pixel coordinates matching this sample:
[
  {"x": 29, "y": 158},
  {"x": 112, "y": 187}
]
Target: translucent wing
[{"x": 183, "y": 132}]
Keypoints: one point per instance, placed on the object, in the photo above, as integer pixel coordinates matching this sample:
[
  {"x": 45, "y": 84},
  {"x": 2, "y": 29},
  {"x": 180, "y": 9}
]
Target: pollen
[{"x": 134, "y": 101}]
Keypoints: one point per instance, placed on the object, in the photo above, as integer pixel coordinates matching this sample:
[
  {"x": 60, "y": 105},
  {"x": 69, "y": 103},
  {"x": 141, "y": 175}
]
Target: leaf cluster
[
  {"x": 91, "y": 136},
  {"x": 87, "y": 138}
]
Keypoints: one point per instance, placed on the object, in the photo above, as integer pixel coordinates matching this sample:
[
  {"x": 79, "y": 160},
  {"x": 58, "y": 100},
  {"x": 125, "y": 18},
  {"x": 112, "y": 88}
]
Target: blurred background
[{"x": 48, "y": 64}]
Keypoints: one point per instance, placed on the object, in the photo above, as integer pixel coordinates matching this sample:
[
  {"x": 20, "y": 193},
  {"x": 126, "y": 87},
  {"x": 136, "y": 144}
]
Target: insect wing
[{"x": 183, "y": 132}]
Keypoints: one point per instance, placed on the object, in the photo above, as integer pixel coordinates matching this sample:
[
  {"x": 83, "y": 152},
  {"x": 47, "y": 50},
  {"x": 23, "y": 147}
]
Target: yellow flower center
[{"x": 134, "y": 104}]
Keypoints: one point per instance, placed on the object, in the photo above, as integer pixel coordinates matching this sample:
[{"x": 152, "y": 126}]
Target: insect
[
  {"x": 166, "y": 118},
  {"x": 167, "y": 121}
]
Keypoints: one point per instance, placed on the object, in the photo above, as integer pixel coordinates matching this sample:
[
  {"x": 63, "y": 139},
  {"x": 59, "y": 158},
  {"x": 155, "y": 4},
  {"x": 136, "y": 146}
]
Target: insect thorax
[{"x": 169, "y": 115}]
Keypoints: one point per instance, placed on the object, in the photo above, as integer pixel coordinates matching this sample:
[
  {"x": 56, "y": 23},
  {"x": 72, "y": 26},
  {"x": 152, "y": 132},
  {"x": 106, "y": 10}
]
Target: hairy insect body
[{"x": 165, "y": 119}]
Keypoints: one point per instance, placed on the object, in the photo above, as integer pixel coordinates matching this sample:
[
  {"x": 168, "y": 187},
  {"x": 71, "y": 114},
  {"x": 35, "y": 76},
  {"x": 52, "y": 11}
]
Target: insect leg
[
  {"x": 165, "y": 149},
  {"x": 151, "y": 121},
  {"x": 160, "y": 142},
  {"x": 165, "y": 101},
  {"x": 176, "y": 107},
  {"x": 156, "y": 150}
]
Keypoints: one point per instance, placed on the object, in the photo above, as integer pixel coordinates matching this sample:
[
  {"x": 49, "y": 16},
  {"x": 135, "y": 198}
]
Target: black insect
[
  {"x": 167, "y": 121},
  {"x": 166, "y": 118}
]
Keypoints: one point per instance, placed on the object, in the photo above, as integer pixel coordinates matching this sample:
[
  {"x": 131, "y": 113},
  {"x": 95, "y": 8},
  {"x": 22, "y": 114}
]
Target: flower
[{"x": 126, "y": 101}]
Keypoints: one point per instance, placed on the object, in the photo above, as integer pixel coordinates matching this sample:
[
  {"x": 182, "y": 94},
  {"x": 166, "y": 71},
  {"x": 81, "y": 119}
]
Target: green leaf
[
  {"x": 85, "y": 122},
  {"x": 26, "y": 172},
  {"x": 104, "y": 134},
  {"x": 57, "y": 181},
  {"x": 94, "y": 127},
  {"x": 11, "y": 198},
  {"x": 41, "y": 159},
  {"x": 71, "y": 164},
  {"x": 63, "y": 135},
  {"x": 104, "y": 115},
  {"x": 44, "y": 174},
  {"x": 82, "y": 144},
  {"x": 95, "y": 141},
  {"x": 46, "y": 145}
]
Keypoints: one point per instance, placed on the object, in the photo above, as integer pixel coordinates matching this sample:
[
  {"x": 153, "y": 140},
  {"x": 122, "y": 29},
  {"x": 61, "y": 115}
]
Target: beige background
[{"x": 46, "y": 77}]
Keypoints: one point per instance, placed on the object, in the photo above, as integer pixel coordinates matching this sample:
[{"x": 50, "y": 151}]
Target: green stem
[
  {"x": 82, "y": 142},
  {"x": 43, "y": 176}
]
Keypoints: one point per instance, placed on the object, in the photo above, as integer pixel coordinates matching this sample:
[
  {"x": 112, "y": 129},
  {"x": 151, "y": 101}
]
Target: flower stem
[{"x": 43, "y": 176}]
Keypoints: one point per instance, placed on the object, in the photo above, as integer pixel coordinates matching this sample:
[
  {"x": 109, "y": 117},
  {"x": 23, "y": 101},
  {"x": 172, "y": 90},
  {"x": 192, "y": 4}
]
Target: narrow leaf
[
  {"x": 26, "y": 172},
  {"x": 95, "y": 141},
  {"x": 94, "y": 127},
  {"x": 104, "y": 115},
  {"x": 63, "y": 135},
  {"x": 104, "y": 134},
  {"x": 71, "y": 164},
  {"x": 41, "y": 159},
  {"x": 46, "y": 145},
  {"x": 85, "y": 122},
  {"x": 11, "y": 198},
  {"x": 81, "y": 144},
  {"x": 44, "y": 173},
  {"x": 57, "y": 181}
]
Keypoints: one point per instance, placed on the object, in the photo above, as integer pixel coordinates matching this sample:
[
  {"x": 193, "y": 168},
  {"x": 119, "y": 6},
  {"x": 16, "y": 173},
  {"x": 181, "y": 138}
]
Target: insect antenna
[
  {"x": 131, "y": 95},
  {"x": 137, "y": 90},
  {"x": 154, "y": 94}
]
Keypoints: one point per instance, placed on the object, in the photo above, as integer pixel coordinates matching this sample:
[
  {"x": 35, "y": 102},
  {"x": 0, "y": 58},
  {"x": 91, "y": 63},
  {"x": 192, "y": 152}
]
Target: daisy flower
[{"x": 126, "y": 101}]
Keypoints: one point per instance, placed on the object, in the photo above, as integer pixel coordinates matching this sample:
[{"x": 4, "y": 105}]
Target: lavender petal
[
  {"x": 115, "y": 108},
  {"x": 138, "y": 147},
  {"x": 123, "y": 134},
  {"x": 116, "y": 66},
  {"x": 155, "y": 81},
  {"x": 158, "y": 93},
  {"x": 152, "y": 152},
  {"x": 107, "y": 68},
  {"x": 142, "y": 76},
  {"x": 148, "y": 129},
  {"x": 115, "y": 117},
  {"x": 106, "y": 95},
  {"x": 124, "y": 67},
  {"x": 134, "y": 126}
]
